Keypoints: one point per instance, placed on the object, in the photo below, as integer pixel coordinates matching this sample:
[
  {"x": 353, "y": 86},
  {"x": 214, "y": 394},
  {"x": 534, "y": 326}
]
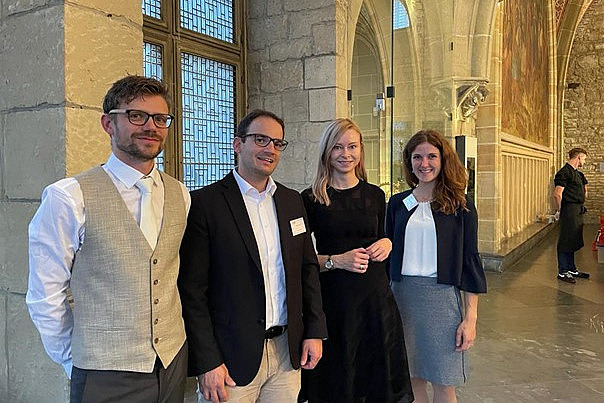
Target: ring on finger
[{"x": 362, "y": 267}]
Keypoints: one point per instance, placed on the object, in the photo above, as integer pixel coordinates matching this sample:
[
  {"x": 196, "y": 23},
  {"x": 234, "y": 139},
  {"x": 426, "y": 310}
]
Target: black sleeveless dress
[{"x": 364, "y": 358}]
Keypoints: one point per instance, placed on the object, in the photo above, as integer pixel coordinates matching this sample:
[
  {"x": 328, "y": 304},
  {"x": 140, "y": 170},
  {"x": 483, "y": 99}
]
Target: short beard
[{"x": 139, "y": 154}]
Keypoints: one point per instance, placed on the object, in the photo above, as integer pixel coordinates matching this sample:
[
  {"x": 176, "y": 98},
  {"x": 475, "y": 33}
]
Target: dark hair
[
  {"x": 449, "y": 190},
  {"x": 576, "y": 151},
  {"x": 131, "y": 87},
  {"x": 245, "y": 123}
]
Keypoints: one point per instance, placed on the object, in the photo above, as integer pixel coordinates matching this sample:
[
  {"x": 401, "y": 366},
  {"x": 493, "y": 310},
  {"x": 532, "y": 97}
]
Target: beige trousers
[{"x": 275, "y": 382}]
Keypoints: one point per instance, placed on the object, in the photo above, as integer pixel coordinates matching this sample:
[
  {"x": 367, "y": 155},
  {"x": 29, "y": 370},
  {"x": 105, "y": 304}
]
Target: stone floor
[{"x": 539, "y": 339}]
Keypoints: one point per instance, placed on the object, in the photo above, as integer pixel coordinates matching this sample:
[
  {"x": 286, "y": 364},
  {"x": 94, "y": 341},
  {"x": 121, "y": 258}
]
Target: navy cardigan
[{"x": 457, "y": 260}]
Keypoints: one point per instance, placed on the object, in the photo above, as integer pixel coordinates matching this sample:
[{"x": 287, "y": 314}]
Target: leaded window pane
[
  {"x": 208, "y": 109},
  {"x": 152, "y": 63},
  {"x": 152, "y": 67},
  {"x": 209, "y": 17},
  {"x": 401, "y": 17},
  {"x": 152, "y": 8}
]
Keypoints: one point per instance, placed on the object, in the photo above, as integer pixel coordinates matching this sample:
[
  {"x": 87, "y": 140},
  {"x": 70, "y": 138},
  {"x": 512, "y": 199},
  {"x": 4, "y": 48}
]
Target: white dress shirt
[
  {"x": 419, "y": 257},
  {"x": 263, "y": 216},
  {"x": 56, "y": 233}
]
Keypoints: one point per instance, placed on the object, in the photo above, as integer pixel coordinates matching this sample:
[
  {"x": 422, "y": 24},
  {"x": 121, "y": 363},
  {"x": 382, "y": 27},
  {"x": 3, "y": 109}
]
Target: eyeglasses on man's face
[
  {"x": 140, "y": 118},
  {"x": 262, "y": 140}
]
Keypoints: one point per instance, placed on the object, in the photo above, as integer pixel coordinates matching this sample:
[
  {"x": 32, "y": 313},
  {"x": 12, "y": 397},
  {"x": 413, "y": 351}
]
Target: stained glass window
[
  {"x": 209, "y": 17},
  {"x": 152, "y": 8},
  {"x": 152, "y": 67},
  {"x": 208, "y": 109}
]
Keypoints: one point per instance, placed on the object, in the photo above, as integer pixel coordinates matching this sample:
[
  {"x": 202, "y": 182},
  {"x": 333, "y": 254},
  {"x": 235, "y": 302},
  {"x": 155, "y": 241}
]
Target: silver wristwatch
[{"x": 329, "y": 263}]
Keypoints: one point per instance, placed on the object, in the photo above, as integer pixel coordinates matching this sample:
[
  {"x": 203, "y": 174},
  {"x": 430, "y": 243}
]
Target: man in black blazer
[{"x": 249, "y": 277}]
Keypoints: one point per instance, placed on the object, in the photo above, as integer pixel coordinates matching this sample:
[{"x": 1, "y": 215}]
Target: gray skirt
[{"x": 431, "y": 313}]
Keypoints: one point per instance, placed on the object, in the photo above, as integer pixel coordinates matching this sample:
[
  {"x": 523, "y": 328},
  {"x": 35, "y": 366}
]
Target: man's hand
[
  {"x": 212, "y": 384},
  {"x": 312, "y": 351}
]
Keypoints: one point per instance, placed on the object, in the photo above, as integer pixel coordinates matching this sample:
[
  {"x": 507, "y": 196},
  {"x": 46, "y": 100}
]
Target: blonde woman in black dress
[{"x": 364, "y": 357}]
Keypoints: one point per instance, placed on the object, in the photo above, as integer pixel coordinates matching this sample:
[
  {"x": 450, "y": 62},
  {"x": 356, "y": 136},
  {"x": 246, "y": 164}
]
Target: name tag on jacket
[
  {"x": 410, "y": 202},
  {"x": 298, "y": 226}
]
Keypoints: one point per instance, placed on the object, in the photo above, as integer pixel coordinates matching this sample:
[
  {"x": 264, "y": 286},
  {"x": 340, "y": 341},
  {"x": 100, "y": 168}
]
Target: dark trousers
[
  {"x": 161, "y": 386},
  {"x": 566, "y": 261}
]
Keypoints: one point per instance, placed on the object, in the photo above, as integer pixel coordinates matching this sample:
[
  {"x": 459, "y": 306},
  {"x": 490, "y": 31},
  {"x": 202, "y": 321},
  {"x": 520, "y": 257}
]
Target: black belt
[{"x": 274, "y": 331}]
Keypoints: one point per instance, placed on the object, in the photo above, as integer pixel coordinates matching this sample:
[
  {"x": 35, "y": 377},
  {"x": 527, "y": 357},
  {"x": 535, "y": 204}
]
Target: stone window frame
[{"x": 174, "y": 39}]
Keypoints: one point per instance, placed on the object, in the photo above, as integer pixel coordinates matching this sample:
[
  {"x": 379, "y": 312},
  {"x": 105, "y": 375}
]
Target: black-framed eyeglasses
[
  {"x": 262, "y": 140},
  {"x": 140, "y": 118}
]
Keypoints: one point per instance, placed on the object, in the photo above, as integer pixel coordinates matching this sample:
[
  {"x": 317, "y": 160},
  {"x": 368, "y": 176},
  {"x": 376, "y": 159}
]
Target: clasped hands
[{"x": 357, "y": 260}]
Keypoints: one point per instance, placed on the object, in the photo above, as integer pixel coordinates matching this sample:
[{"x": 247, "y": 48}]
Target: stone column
[
  {"x": 57, "y": 60},
  {"x": 488, "y": 132}
]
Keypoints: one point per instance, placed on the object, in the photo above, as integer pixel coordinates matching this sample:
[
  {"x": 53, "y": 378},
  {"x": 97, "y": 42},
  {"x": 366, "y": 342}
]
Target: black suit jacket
[
  {"x": 457, "y": 260},
  {"x": 221, "y": 282}
]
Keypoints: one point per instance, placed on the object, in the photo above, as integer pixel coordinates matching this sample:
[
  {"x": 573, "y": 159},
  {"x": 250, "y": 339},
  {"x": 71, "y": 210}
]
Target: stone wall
[
  {"x": 57, "y": 60},
  {"x": 292, "y": 72},
  {"x": 583, "y": 118},
  {"x": 32, "y": 122}
]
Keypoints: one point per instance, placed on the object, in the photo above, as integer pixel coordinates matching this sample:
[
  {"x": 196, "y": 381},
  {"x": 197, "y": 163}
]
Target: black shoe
[
  {"x": 578, "y": 274},
  {"x": 567, "y": 277}
]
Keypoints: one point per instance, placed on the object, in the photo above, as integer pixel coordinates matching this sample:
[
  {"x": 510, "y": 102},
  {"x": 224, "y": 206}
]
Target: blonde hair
[
  {"x": 449, "y": 190},
  {"x": 331, "y": 135}
]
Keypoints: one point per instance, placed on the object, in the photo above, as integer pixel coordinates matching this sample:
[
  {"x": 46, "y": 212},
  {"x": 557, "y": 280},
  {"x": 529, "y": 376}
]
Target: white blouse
[{"x": 419, "y": 255}]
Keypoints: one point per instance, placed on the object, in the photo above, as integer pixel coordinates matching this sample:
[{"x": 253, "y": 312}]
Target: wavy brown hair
[
  {"x": 449, "y": 190},
  {"x": 331, "y": 135}
]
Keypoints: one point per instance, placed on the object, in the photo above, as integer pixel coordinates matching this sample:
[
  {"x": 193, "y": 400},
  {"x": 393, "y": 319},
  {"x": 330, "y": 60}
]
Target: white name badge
[
  {"x": 298, "y": 226},
  {"x": 410, "y": 202}
]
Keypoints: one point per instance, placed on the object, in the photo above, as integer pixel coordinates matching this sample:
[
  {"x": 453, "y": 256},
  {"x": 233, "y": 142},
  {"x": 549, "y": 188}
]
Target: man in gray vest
[{"x": 111, "y": 236}]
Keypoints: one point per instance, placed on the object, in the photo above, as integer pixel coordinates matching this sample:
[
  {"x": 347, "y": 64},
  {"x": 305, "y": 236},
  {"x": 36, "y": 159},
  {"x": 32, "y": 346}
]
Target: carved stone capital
[{"x": 469, "y": 97}]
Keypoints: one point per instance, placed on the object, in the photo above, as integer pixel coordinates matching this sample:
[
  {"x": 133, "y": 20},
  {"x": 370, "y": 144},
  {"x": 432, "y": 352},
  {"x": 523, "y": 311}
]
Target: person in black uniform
[
  {"x": 364, "y": 358},
  {"x": 570, "y": 190}
]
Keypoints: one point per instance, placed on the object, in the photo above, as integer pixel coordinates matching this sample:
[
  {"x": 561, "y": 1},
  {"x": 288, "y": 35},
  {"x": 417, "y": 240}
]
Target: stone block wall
[
  {"x": 32, "y": 138},
  {"x": 292, "y": 72},
  {"x": 57, "y": 60},
  {"x": 583, "y": 120}
]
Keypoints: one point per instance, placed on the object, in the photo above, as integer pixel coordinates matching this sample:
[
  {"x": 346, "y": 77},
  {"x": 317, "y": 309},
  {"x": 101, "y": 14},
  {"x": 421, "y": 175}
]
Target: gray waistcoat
[{"x": 126, "y": 303}]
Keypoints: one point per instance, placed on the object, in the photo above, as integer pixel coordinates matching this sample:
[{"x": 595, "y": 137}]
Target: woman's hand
[
  {"x": 355, "y": 260},
  {"x": 379, "y": 250},
  {"x": 466, "y": 331},
  {"x": 465, "y": 335}
]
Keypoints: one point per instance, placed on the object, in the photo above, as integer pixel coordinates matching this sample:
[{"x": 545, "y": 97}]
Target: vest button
[
  {"x": 156, "y": 340},
  {"x": 155, "y": 282},
  {"x": 156, "y": 301},
  {"x": 155, "y": 321},
  {"x": 154, "y": 261}
]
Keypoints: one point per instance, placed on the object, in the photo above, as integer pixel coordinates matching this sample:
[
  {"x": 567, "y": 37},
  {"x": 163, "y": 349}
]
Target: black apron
[{"x": 571, "y": 228}]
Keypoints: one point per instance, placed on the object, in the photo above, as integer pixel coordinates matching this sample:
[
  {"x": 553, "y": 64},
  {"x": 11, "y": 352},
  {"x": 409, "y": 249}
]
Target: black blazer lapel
[
  {"x": 234, "y": 200},
  {"x": 283, "y": 218}
]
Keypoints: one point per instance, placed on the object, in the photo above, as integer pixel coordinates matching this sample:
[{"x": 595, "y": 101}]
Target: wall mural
[{"x": 525, "y": 66}]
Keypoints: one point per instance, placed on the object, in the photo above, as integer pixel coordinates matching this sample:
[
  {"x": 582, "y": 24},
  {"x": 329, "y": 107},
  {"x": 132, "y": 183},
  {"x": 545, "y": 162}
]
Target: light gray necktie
[{"x": 148, "y": 222}]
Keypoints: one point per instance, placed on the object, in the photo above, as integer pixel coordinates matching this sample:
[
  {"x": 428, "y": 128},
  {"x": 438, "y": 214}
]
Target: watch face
[{"x": 329, "y": 264}]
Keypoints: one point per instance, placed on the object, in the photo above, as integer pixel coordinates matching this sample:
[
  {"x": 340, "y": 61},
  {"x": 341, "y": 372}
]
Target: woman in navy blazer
[{"x": 433, "y": 229}]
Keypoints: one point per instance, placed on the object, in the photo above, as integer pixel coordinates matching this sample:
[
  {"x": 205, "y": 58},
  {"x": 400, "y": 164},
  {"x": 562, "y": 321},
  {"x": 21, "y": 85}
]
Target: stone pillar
[
  {"x": 58, "y": 59},
  {"x": 488, "y": 132},
  {"x": 292, "y": 64}
]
